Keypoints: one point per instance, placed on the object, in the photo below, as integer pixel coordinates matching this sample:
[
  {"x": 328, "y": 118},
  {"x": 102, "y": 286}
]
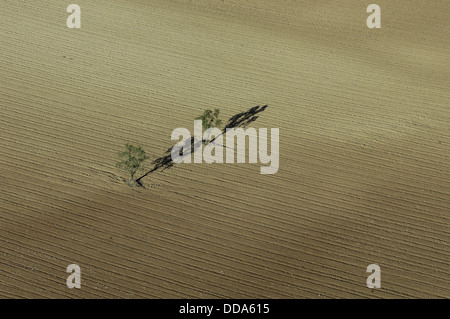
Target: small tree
[
  {"x": 210, "y": 119},
  {"x": 131, "y": 161}
]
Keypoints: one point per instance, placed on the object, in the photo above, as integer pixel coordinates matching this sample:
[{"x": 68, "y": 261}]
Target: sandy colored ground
[{"x": 364, "y": 149}]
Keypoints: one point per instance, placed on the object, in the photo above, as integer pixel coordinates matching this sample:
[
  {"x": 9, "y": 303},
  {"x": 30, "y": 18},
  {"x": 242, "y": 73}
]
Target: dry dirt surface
[{"x": 364, "y": 176}]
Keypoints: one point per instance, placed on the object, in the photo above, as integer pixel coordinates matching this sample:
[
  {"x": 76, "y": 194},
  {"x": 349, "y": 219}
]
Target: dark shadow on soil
[{"x": 239, "y": 120}]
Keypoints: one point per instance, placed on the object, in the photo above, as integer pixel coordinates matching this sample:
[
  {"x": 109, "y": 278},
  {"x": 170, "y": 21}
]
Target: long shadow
[{"x": 239, "y": 120}]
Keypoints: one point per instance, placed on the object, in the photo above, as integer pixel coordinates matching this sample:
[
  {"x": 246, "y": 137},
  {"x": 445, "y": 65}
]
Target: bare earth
[{"x": 364, "y": 178}]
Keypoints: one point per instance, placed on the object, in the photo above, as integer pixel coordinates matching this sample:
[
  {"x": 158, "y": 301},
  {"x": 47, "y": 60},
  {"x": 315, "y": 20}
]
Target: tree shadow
[
  {"x": 244, "y": 118},
  {"x": 239, "y": 120}
]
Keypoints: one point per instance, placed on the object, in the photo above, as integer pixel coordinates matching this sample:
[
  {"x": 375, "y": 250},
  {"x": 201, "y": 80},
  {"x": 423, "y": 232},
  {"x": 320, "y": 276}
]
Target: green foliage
[
  {"x": 131, "y": 159},
  {"x": 210, "y": 119}
]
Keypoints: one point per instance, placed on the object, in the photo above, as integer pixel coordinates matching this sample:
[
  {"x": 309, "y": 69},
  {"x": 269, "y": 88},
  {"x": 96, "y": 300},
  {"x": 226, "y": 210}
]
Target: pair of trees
[{"x": 132, "y": 158}]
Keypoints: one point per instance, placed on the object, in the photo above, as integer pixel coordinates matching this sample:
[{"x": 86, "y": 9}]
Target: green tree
[
  {"x": 210, "y": 119},
  {"x": 131, "y": 161}
]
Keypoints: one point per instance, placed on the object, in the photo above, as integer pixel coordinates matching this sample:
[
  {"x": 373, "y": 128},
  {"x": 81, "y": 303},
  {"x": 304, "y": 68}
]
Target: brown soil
[{"x": 364, "y": 149}]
